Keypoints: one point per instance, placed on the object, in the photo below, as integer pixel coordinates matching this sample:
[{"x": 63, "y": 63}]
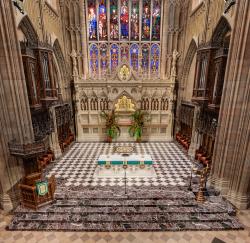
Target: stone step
[
  {"x": 118, "y": 226},
  {"x": 129, "y": 217},
  {"x": 128, "y": 209},
  {"x": 114, "y": 195},
  {"x": 124, "y": 202}
]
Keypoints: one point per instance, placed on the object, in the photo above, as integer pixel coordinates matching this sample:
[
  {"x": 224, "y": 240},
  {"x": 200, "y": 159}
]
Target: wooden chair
[{"x": 29, "y": 195}]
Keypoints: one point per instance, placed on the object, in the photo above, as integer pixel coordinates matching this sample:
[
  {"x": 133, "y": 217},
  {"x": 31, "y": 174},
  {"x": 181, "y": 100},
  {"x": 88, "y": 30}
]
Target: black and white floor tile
[{"x": 78, "y": 165}]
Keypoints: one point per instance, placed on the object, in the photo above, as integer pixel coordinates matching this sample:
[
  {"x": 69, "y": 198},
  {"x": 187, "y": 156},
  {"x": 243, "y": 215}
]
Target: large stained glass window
[
  {"x": 124, "y": 19},
  {"x": 146, "y": 17},
  {"x": 156, "y": 20},
  {"x": 92, "y": 20},
  {"x": 135, "y": 20},
  {"x": 102, "y": 23},
  {"x": 114, "y": 27},
  {"x": 124, "y": 32}
]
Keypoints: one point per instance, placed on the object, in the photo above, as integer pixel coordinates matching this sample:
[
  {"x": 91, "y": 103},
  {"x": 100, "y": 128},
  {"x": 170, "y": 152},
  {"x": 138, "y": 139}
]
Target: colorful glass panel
[
  {"x": 155, "y": 59},
  {"x": 103, "y": 59},
  {"x": 124, "y": 19},
  {"x": 93, "y": 60},
  {"x": 145, "y": 58},
  {"x": 124, "y": 53},
  {"x": 92, "y": 20},
  {"x": 102, "y": 21},
  {"x": 134, "y": 57},
  {"x": 134, "y": 20},
  {"x": 146, "y": 12},
  {"x": 156, "y": 20},
  {"x": 114, "y": 27},
  {"x": 114, "y": 54}
]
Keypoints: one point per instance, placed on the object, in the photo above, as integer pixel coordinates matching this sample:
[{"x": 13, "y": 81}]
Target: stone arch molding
[
  {"x": 221, "y": 29},
  {"x": 188, "y": 62},
  {"x": 28, "y": 30}
]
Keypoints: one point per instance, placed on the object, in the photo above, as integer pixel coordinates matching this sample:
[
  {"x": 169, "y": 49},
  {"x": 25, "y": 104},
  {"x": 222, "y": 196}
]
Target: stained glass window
[
  {"x": 146, "y": 14},
  {"x": 114, "y": 27},
  {"x": 134, "y": 57},
  {"x": 92, "y": 20},
  {"x": 145, "y": 58},
  {"x": 124, "y": 19},
  {"x": 102, "y": 22},
  {"x": 156, "y": 20},
  {"x": 93, "y": 59},
  {"x": 103, "y": 59},
  {"x": 124, "y": 53},
  {"x": 155, "y": 59},
  {"x": 124, "y": 32},
  {"x": 134, "y": 20},
  {"x": 114, "y": 53}
]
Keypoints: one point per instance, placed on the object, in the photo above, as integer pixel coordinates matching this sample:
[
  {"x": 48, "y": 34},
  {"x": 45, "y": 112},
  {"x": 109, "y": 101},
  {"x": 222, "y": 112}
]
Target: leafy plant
[
  {"x": 139, "y": 118},
  {"x": 112, "y": 128}
]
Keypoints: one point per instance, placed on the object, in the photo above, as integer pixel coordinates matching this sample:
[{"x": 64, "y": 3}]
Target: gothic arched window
[
  {"x": 134, "y": 57},
  {"x": 155, "y": 59},
  {"x": 103, "y": 58},
  {"x": 93, "y": 59},
  {"x": 114, "y": 53},
  {"x": 145, "y": 58},
  {"x": 124, "y": 31}
]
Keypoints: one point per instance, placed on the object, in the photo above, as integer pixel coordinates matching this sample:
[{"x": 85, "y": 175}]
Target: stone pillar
[
  {"x": 231, "y": 160},
  {"x": 15, "y": 118}
]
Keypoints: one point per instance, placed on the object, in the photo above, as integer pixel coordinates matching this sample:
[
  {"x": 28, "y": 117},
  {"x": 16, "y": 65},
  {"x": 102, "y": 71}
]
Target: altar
[{"x": 133, "y": 165}]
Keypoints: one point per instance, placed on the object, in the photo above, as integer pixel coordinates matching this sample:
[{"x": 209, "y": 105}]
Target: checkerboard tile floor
[{"x": 78, "y": 165}]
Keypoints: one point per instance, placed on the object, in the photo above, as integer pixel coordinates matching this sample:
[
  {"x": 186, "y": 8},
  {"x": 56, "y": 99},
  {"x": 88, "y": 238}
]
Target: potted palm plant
[
  {"x": 112, "y": 128},
  {"x": 139, "y": 118}
]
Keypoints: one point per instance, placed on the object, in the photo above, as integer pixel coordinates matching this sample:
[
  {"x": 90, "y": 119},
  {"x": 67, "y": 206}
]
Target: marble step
[
  {"x": 132, "y": 217},
  {"x": 118, "y": 226},
  {"x": 114, "y": 195},
  {"x": 129, "y": 209},
  {"x": 124, "y": 202}
]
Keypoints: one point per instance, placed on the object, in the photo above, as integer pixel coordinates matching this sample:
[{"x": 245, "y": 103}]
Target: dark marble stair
[{"x": 142, "y": 209}]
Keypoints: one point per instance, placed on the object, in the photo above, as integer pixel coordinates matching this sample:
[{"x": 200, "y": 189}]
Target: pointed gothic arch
[
  {"x": 192, "y": 49},
  {"x": 222, "y": 28},
  {"x": 29, "y": 31}
]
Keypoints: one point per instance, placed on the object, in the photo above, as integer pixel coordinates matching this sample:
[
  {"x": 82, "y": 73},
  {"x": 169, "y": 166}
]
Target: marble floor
[
  {"x": 172, "y": 167},
  {"x": 241, "y": 236},
  {"x": 78, "y": 165}
]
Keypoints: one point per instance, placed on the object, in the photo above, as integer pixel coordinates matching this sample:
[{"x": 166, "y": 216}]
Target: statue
[
  {"x": 74, "y": 56},
  {"x": 174, "y": 63}
]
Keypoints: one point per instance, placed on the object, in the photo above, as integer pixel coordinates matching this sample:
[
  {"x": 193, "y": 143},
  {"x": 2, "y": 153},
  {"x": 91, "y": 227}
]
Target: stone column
[
  {"x": 231, "y": 160},
  {"x": 15, "y": 118}
]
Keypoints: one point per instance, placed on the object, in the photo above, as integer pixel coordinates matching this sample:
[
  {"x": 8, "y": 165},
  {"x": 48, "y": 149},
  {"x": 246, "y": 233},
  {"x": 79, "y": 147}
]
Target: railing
[{"x": 29, "y": 149}]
